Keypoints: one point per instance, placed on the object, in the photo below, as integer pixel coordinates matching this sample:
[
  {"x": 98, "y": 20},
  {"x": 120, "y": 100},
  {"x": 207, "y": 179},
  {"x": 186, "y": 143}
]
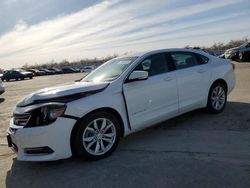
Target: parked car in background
[
  {"x": 48, "y": 72},
  {"x": 2, "y": 88},
  {"x": 88, "y": 68},
  {"x": 16, "y": 75},
  {"x": 76, "y": 69},
  {"x": 37, "y": 72},
  {"x": 67, "y": 70},
  {"x": 56, "y": 70},
  {"x": 241, "y": 53},
  {"x": 124, "y": 95}
]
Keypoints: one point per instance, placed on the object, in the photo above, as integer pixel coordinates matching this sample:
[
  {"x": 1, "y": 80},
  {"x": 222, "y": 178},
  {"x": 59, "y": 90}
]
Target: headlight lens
[
  {"x": 55, "y": 113},
  {"x": 51, "y": 113},
  {"x": 46, "y": 115}
]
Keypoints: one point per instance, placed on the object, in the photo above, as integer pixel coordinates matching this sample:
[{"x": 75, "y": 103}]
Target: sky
[{"x": 35, "y": 32}]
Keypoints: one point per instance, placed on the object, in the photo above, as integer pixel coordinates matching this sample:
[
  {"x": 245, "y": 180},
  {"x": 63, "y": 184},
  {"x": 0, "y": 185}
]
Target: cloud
[
  {"x": 9, "y": 2},
  {"x": 117, "y": 26}
]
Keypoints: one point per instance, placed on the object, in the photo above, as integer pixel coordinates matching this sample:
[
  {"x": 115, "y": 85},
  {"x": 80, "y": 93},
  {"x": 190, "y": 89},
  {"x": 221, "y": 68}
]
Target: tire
[
  {"x": 217, "y": 98},
  {"x": 31, "y": 77},
  {"x": 241, "y": 57},
  {"x": 22, "y": 78},
  {"x": 91, "y": 142}
]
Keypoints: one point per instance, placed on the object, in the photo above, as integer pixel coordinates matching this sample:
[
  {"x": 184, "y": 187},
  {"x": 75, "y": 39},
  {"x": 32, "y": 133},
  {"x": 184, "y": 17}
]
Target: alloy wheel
[
  {"x": 218, "y": 98},
  {"x": 99, "y": 136}
]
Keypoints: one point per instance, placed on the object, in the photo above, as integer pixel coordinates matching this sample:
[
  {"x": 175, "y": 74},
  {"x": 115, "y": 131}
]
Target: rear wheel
[
  {"x": 97, "y": 136},
  {"x": 217, "y": 98}
]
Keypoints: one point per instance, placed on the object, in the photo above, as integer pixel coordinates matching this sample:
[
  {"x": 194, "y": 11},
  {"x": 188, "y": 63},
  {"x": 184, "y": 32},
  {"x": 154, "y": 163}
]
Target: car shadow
[
  {"x": 19, "y": 80},
  {"x": 122, "y": 166},
  {"x": 234, "y": 117},
  {"x": 2, "y": 100}
]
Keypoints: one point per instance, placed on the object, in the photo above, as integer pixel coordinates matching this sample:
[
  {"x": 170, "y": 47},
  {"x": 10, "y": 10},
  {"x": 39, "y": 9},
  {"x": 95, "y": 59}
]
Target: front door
[{"x": 155, "y": 99}]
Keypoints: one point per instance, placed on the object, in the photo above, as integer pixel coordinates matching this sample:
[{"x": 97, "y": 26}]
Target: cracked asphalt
[{"x": 194, "y": 150}]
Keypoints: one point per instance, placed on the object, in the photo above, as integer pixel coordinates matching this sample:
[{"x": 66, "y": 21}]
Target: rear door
[
  {"x": 193, "y": 78},
  {"x": 11, "y": 75},
  {"x": 155, "y": 99}
]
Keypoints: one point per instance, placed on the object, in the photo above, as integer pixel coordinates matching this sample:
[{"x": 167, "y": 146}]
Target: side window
[
  {"x": 201, "y": 59},
  {"x": 154, "y": 64},
  {"x": 184, "y": 60}
]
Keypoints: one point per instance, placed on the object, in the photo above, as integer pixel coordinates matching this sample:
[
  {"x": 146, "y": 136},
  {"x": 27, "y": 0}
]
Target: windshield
[
  {"x": 20, "y": 70},
  {"x": 111, "y": 70},
  {"x": 244, "y": 45}
]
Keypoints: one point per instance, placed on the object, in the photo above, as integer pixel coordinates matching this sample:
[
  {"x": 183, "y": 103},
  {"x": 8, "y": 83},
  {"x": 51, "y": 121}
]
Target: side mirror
[{"x": 138, "y": 75}]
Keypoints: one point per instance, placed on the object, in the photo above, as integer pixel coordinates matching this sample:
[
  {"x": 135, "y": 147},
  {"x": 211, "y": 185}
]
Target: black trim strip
[
  {"x": 126, "y": 108},
  {"x": 71, "y": 117}
]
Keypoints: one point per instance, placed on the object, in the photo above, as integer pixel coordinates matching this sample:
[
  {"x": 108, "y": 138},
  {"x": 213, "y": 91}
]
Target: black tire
[
  {"x": 31, "y": 77},
  {"x": 78, "y": 145},
  {"x": 7, "y": 80},
  {"x": 210, "y": 107},
  {"x": 22, "y": 78}
]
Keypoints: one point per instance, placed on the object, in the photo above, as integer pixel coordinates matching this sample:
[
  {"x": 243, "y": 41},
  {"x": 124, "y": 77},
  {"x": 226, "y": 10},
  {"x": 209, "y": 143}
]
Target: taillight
[{"x": 233, "y": 65}]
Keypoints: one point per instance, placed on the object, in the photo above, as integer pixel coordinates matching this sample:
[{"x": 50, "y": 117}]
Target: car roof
[{"x": 151, "y": 52}]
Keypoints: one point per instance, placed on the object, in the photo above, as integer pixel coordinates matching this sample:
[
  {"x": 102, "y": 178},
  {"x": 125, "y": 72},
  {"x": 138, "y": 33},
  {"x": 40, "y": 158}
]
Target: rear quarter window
[
  {"x": 184, "y": 60},
  {"x": 202, "y": 59}
]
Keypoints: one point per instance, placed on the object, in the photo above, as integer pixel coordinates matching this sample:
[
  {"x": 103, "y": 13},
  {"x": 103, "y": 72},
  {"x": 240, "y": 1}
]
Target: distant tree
[
  {"x": 231, "y": 44},
  {"x": 65, "y": 63},
  {"x": 216, "y": 47},
  {"x": 219, "y": 48}
]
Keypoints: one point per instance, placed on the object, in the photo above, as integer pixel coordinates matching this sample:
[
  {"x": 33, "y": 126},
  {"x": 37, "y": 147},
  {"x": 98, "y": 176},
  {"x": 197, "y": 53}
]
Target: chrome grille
[{"x": 21, "y": 119}]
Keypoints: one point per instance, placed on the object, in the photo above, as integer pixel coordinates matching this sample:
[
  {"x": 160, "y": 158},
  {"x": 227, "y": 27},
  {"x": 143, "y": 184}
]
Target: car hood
[
  {"x": 65, "y": 91},
  {"x": 234, "y": 49}
]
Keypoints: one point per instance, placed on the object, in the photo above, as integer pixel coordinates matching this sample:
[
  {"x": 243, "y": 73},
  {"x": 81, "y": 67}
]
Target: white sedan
[{"x": 122, "y": 96}]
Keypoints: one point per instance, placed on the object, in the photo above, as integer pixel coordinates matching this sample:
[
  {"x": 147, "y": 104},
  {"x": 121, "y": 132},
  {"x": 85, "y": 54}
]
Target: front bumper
[
  {"x": 55, "y": 136},
  {"x": 231, "y": 55}
]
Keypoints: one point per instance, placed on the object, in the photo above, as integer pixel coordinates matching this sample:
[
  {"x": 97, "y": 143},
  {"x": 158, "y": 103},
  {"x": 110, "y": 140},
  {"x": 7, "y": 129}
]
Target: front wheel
[
  {"x": 217, "y": 98},
  {"x": 241, "y": 57},
  {"x": 97, "y": 136}
]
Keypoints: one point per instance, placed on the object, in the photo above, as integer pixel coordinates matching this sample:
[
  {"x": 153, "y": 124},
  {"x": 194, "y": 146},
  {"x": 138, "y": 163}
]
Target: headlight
[
  {"x": 51, "y": 113},
  {"x": 45, "y": 115}
]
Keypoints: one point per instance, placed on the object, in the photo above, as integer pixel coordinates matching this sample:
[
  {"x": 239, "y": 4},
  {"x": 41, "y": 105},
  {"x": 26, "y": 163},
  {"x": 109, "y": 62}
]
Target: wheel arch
[
  {"x": 103, "y": 109},
  {"x": 221, "y": 81}
]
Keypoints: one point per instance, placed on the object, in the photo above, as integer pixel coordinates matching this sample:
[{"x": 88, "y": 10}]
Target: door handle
[
  {"x": 201, "y": 71},
  {"x": 168, "y": 79}
]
